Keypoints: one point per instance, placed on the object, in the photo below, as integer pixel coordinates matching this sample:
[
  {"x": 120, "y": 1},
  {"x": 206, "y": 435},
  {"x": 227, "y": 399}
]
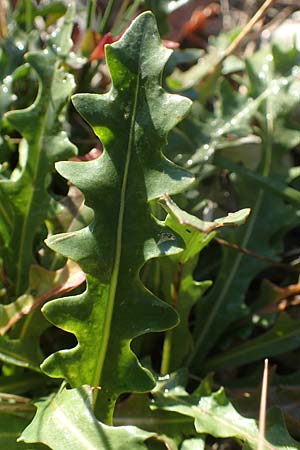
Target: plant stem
[
  {"x": 91, "y": 14},
  {"x": 263, "y": 408},
  {"x": 247, "y": 252},
  {"x": 3, "y": 20},
  {"x": 119, "y": 17},
  {"x": 247, "y": 29},
  {"x": 167, "y": 347},
  {"x": 106, "y": 17},
  {"x": 104, "y": 406},
  {"x": 125, "y": 15},
  {"x": 28, "y": 15}
]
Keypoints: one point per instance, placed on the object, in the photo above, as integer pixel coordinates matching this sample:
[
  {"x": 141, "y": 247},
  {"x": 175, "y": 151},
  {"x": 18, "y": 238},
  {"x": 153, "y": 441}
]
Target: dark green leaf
[{"x": 132, "y": 121}]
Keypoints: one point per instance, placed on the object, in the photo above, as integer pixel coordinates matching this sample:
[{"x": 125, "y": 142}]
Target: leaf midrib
[
  {"x": 118, "y": 251},
  {"x": 240, "y": 432},
  {"x": 73, "y": 429},
  {"x": 27, "y": 215}
]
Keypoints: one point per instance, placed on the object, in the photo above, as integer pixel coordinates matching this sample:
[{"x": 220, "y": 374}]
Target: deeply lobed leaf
[
  {"x": 215, "y": 415},
  {"x": 132, "y": 120},
  {"x": 25, "y": 195}
]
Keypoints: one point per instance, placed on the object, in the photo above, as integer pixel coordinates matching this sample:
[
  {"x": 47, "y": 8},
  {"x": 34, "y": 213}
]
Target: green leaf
[
  {"x": 273, "y": 185},
  {"x": 171, "y": 427},
  {"x": 189, "y": 220},
  {"x": 44, "y": 143},
  {"x": 43, "y": 284},
  {"x": 215, "y": 415},
  {"x": 22, "y": 382},
  {"x": 24, "y": 350},
  {"x": 178, "y": 284},
  {"x": 283, "y": 337},
  {"x": 132, "y": 120},
  {"x": 193, "y": 444},
  {"x": 209, "y": 131},
  {"x": 11, "y": 427},
  {"x": 23, "y": 347},
  {"x": 263, "y": 232},
  {"x": 56, "y": 425}
]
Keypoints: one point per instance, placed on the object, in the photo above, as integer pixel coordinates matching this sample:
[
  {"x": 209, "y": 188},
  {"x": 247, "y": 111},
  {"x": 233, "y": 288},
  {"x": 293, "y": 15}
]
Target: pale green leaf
[
  {"x": 184, "y": 218},
  {"x": 66, "y": 421},
  {"x": 216, "y": 416},
  {"x": 197, "y": 443}
]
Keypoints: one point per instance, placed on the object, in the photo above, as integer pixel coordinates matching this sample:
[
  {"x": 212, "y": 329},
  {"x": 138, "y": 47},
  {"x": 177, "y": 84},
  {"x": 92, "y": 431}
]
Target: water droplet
[
  {"x": 7, "y": 79},
  {"x": 205, "y": 147},
  {"x": 265, "y": 67},
  {"x": 295, "y": 71},
  {"x": 189, "y": 162},
  {"x": 266, "y": 34},
  {"x": 269, "y": 57},
  {"x": 275, "y": 89},
  {"x": 20, "y": 46},
  {"x": 166, "y": 391},
  {"x": 164, "y": 377}
]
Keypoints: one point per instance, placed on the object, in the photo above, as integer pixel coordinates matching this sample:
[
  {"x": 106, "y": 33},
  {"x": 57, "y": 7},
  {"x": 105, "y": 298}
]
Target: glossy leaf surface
[{"x": 132, "y": 120}]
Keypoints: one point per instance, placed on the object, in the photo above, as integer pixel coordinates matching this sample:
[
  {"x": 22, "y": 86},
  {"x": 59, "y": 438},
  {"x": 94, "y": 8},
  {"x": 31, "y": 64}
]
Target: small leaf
[
  {"x": 215, "y": 415},
  {"x": 184, "y": 218}
]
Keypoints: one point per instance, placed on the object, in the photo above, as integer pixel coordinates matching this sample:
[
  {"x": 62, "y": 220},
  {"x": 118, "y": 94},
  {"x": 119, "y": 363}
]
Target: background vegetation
[{"x": 149, "y": 226}]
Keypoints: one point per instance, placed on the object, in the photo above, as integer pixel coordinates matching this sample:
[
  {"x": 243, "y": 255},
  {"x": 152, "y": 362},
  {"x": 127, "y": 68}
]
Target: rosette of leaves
[{"x": 132, "y": 120}]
